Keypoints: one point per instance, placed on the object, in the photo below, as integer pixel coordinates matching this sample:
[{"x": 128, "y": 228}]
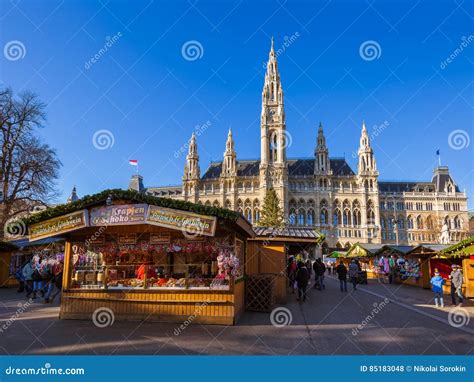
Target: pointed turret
[
  {"x": 229, "y": 163},
  {"x": 73, "y": 197},
  {"x": 367, "y": 164},
  {"x": 321, "y": 153},
  {"x": 191, "y": 169}
]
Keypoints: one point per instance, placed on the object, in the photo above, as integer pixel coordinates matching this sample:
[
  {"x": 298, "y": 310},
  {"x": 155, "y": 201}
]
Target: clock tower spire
[{"x": 273, "y": 135}]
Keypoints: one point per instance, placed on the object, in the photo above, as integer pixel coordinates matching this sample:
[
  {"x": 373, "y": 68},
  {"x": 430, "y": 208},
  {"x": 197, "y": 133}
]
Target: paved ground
[{"x": 330, "y": 322}]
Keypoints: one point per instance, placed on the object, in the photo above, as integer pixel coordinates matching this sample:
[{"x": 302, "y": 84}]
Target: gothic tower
[
  {"x": 321, "y": 153},
  {"x": 367, "y": 178},
  {"x": 229, "y": 174},
  {"x": 273, "y": 166},
  {"x": 191, "y": 173}
]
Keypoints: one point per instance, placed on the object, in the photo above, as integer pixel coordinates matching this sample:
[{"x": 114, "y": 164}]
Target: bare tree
[{"x": 28, "y": 167}]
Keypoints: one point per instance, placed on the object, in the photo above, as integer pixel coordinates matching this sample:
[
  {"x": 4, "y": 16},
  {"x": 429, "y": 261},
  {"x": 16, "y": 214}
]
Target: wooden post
[{"x": 67, "y": 269}]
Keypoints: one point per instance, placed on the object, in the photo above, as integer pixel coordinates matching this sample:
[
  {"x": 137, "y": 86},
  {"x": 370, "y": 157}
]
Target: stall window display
[
  {"x": 400, "y": 266},
  {"x": 117, "y": 262}
]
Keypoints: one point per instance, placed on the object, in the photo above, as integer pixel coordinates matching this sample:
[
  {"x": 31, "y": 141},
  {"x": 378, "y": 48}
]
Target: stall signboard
[
  {"x": 58, "y": 225},
  {"x": 127, "y": 239},
  {"x": 124, "y": 214},
  {"x": 190, "y": 224},
  {"x": 156, "y": 238}
]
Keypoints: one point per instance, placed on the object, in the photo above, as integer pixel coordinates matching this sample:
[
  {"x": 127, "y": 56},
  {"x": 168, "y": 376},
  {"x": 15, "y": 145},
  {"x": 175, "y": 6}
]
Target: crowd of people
[
  {"x": 41, "y": 276},
  {"x": 299, "y": 274}
]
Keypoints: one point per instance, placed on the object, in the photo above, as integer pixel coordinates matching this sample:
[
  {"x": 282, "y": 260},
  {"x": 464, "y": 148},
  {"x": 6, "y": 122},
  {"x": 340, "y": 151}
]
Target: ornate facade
[{"x": 322, "y": 192}]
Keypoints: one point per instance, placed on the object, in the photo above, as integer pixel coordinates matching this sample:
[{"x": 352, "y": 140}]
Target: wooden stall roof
[
  {"x": 26, "y": 243},
  {"x": 363, "y": 250},
  {"x": 462, "y": 249},
  {"x": 6, "y": 246},
  {"x": 337, "y": 254},
  {"x": 235, "y": 218},
  {"x": 296, "y": 234},
  {"x": 395, "y": 249},
  {"x": 427, "y": 250}
]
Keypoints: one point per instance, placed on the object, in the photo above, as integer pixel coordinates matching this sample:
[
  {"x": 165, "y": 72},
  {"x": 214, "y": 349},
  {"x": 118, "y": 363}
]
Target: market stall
[
  {"x": 390, "y": 265},
  {"x": 463, "y": 254},
  {"x": 25, "y": 251},
  {"x": 270, "y": 249},
  {"x": 419, "y": 266},
  {"x": 364, "y": 253},
  {"x": 6, "y": 250},
  {"x": 143, "y": 257}
]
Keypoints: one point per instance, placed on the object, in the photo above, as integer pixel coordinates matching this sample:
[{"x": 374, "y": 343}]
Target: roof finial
[{"x": 273, "y": 44}]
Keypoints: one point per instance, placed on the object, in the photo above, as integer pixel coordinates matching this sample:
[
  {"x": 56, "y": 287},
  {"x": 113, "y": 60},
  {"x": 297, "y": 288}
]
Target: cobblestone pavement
[{"x": 375, "y": 319}]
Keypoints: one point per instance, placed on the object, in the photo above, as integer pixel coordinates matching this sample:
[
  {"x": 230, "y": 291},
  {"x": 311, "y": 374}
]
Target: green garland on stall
[
  {"x": 134, "y": 196},
  {"x": 455, "y": 248}
]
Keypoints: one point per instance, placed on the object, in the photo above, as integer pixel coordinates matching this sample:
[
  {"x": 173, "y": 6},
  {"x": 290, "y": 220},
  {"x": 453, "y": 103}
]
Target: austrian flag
[{"x": 133, "y": 162}]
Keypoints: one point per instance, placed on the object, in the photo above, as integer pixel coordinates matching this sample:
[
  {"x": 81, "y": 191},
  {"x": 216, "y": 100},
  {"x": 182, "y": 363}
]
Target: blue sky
[{"x": 145, "y": 92}]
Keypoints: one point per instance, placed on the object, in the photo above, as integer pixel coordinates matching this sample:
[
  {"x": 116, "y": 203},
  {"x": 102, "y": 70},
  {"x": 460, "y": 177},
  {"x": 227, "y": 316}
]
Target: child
[{"x": 437, "y": 283}]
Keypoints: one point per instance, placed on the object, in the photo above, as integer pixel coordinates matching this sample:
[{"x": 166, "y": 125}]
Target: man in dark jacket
[
  {"x": 322, "y": 271},
  {"x": 302, "y": 277},
  {"x": 316, "y": 275},
  {"x": 342, "y": 276}
]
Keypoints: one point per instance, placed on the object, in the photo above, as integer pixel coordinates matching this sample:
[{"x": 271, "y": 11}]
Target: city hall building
[{"x": 347, "y": 205}]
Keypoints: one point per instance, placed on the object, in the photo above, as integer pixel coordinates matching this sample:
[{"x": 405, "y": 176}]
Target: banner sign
[
  {"x": 191, "y": 224},
  {"x": 58, "y": 225},
  {"x": 127, "y": 239},
  {"x": 125, "y": 214},
  {"x": 156, "y": 238}
]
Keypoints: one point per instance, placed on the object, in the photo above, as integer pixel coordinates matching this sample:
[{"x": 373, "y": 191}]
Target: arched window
[
  {"x": 457, "y": 222},
  {"x": 382, "y": 223},
  {"x": 429, "y": 222},
  {"x": 248, "y": 214},
  {"x": 401, "y": 222},
  {"x": 292, "y": 216},
  {"x": 301, "y": 215},
  {"x": 410, "y": 222},
  {"x": 337, "y": 219},
  {"x": 273, "y": 146},
  {"x": 216, "y": 203},
  {"x": 324, "y": 216},
  {"x": 310, "y": 217},
  {"x": 419, "y": 222},
  {"x": 347, "y": 217},
  {"x": 256, "y": 214}
]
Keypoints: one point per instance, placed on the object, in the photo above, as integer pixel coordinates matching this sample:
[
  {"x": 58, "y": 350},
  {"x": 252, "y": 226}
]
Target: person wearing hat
[
  {"x": 456, "y": 278},
  {"x": 437, "y": 283}
]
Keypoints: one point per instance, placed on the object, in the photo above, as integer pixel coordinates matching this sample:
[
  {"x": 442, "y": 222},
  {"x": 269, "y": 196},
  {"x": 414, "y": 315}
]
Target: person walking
[
  {"x": 302, "y": 278},
  {"x": 437, "y": 283},
  {"x": 353, "y": 272},
  {"x": 291, "y": 273},
  {"x": 316, "y": 275},
  {"x": 341, "y": 271},
  {"x": 56, "y": 282},
  {"x": 309, "y": 267},
  {"x": 322, "y": 271},
  {"x": 37, "y": 277},
  {"x": 457, "y": 279},
  {"x": 27, "y": 272}
]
